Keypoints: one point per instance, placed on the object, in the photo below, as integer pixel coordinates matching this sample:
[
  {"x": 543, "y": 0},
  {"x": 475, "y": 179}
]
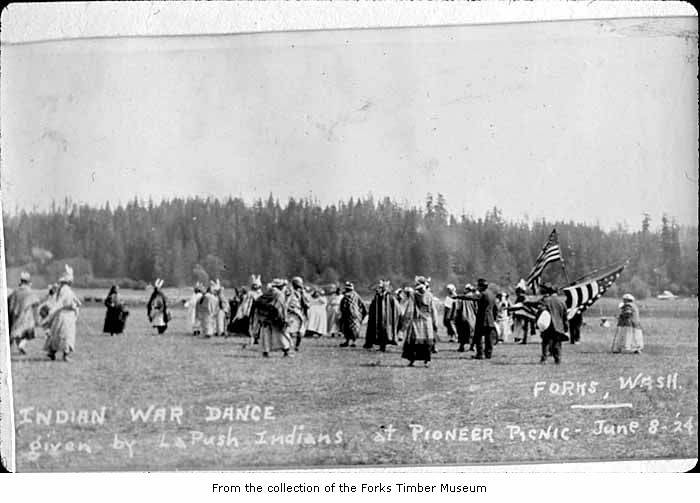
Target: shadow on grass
[
  {"x": 242, "y": 355},
  {"x": 45, "y": 359}
]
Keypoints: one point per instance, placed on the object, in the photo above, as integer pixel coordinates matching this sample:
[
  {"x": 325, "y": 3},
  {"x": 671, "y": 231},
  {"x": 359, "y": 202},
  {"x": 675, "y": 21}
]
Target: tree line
[{"x": 361, "y": 239}]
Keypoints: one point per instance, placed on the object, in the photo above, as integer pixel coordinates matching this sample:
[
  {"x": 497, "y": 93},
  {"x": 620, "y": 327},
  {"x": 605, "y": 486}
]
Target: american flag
[
  {"x": 583, "y": 294},
  {"x": 579, "y": 296},
  {"x": 550, "y": 253}
]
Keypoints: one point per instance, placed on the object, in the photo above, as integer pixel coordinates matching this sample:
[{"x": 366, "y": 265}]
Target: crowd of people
[{"x": 279, "y": 315}]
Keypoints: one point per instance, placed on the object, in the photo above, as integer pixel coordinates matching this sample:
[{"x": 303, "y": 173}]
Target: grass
[{"x": 329, "y": 389}]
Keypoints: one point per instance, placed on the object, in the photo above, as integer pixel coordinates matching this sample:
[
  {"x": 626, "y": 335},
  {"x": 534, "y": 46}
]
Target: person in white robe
[
  {"x": 628, "y": 335},
  {"x": 318, "y": 316},
  {"x": 191, "y": 306},
  {"x": 207, "y": 311},
  {"x": 62, "y": 319}
]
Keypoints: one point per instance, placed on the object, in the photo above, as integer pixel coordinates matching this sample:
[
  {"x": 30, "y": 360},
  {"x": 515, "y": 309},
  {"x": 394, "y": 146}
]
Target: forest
[{"x": 361, "y": 239}]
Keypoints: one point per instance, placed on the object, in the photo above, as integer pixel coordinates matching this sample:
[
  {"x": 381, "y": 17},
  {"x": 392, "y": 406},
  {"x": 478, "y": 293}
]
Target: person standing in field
[
  {"x": 352, "y": 314},
  {"x": 486, "y": 311},
  {"x": 207, "y": 310},
  {"x": 628, "y": 335},
  {"x": 191, "y": 306},
  {"x": 575, "y": 324},
  {"x": 221, "y": 309},
  {"x": 420, "y": 322},
  {"x": 464, "y": 315},
  {"x": 297, "y": 311},
  {"x": 447, "y": 314},
  {"x": 22, "y": 313},
  {"x": 115, "y": 317},
  {"x": 63, "y": 318},
  {"x": 402, "y": 296},
  {"x": 555, "y": 332},
  {"x": 318, "y": 317},
  {"x": 521, "y": 323},
  {"x": 333, "y": 311},
  {"x": 157, "y": 308},
  {"x": 242, "y": 320},
  {"x": 270, "y": 315},
  {"x": 383, "y": 319}
]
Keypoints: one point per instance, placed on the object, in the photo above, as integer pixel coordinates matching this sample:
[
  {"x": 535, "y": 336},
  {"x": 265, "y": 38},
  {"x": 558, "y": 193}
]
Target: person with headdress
[
  {"x": 464, "y": 315},
  {"x": 420, "y": 322},
  {"x": 207, "y": 310},
  {"x": 628, "y": 334},
  {"x": 333, "y": 311},
  {"x": 191, "y": 306},
  {"x": 269, "y": 315},
  {"x": 553, "y": 323},
  {"x": 352, "y": 314},
  {"x": 447, "y": 314},
  {"x": 383, "y": 318},
  {"x": 318, "y": 316},
  {"x": 62, "y": 318},
  {"x": 22, "y": 312},
  {"x": 485, "y": 333},
  {"x": 297, "y": 310},
  {"x": 242, "y": 323},
  {"x": 157, "y": 308},
  {"x": 115, "y": 317}
]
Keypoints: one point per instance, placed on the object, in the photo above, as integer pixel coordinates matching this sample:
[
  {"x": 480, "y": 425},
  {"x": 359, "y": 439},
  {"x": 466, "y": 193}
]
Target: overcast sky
[{"x": 591, "y": 121}]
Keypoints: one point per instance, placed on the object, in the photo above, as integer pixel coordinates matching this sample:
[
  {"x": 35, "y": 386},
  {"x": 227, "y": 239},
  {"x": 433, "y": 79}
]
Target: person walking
[
  {"x": 464, "y": 315},
  {"x": 628, "y": 334},
  {"x": 448, "y": 320},
  {"x": 554, "y": 331},
  {"x": 22, "y": 312},
  {"x": 269, "y": 315},
  {"x": 63, "y": 319},
  {"x": 420, "y": 322},
  {"x": 383, "y": 318},
  {"x": 352, "y": 314},
  {"x": 115, "y": 317},
  {"x": 157, "y": 308}
]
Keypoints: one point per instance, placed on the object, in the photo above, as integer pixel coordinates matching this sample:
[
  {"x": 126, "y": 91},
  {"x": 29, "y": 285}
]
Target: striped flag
[
  {"x": 583, "y": 295},
  {"x": 579, "y": 296},
  {"x": 550, "y": 253}
]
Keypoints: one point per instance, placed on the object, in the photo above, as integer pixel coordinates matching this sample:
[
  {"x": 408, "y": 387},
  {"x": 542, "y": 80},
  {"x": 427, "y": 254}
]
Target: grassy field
[{"x": 335, "y": 406}]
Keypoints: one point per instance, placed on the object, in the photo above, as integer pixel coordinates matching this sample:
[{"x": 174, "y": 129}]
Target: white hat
[
  {"x": 255, "y": 281},
  {"x": 628, "y": 297},
  {"x": 67, "y": 276},
  {"x": 451, "y": 288},
  {"x": 25, "y": 277},
  {"x": 544, "y": 320}
]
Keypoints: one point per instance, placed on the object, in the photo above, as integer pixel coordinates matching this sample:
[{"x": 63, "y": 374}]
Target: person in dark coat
[
  {"x": 115, "y": 317},
  {"x": 555, "y": 333},
  {"x": 464, "y": 315},
  {"x": 575, "y": 324},
  {"x": 352, "y": 313},
  {"x": 157, "y": 308},
  {"x": 486, "y": 311},
  {"x": 383, "y": 318}
]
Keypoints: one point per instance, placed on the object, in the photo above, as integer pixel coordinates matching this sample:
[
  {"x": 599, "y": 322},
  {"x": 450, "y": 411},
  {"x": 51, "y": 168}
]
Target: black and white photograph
[{"x": 386, "y": 247}]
